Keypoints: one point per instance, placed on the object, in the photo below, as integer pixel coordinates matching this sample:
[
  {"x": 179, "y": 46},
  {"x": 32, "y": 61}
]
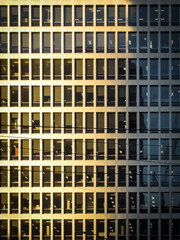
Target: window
[
  {"x": 3, "y": 43},
  {"x": 56, "y": 15},
  {"x": 67, "y": 122},
  {"x": 89, "y": 69},
  {"x": 153, "y": 15},
  {"x": 46, "y": 96},
  {"x": 57, "y": 148},
  {"x": 14, "y": 229},
  {"x": 57, "y": 179},
  {"x": 154, "y": 149},
  {"x": 14, "y": 180},
  {"x": 99, "y": 15},
  {"x": 164, "y": 42},
  {"x": 175, "y": 118},
  {"x": 111, "y": 176},
  {"x": 35, "y": 229},
  {"x": 89, "y": 176},
  {"x": 121, "y": 69},
  {"x": 89, "y": 42},
  {"x": 175, "y": 70},
  {"x": 154, "y": 122},
  {"x": 111, "y": 202},
  {"x": 165, "y": 149},
  {"x": 35, "y": 96},
  {"x": 121, "y": 176},
  {"x": 132, "y": 176},
  {"x": 165, "y": 122},
  {"x": 35, "y": 203},
  {"x": 46, "y": 118},
  {"x": 35, "y": 16},
  {"x": 46, "y": 42},
  {"x": 121, "y": 149},
  {"x": 99, "y": 176},
  {"x": 46, "y": 69},
  {"x": 56, "y": 69},
  {"x": 79, "y": 174},
  {"x": 56, "y": 42},
  {"x": 13, "y": 16},
  {"x": 121, "y": 122},
  {"x": 46, "y": 202},
  {"x": 132, "y": 15},
  {"x": 24, "y": 229},
  {"x": 110, "y": 15},
  {"x": 68, "y": 203},
  {"x": 132, "y": 96},
  {"x": 24, "y": 42},
  {"x": 175, "y": 96},
  {"x": 143, "y": 15},
  {"x": 143, "y": 69},
  {"x": 3, "y": 16},
  {"x": 89, "y": 149},
  {"x": 67, "y": 16},
  {"x": 68, "y": 42},
  {"x": 110, "y": 122},
  {"x": 143, "y": 94},
  {"x": 3, "y": 68},
  {"x": 46, "y": 16},
  {"x": 46, "y": 177},
  {"x": 24, "y": 96},
  {"x": 111, "y": 69},
  {"x": 24, "y": 15},
  {"x": 132, "y": 69},
  {"x": 89, "y": 122},
  {"x": 89, "y": 203},
  {"x": 132, "y": 42},
  {"x": 100, "y": 149},
  {"x": 14, "y": 203},
  {"x": 165, "y": 173},
  {"x": 132, "y": 149},
  {"x": 143, "y": 42},
  {"x": 99, "y": 95},
  {"x": 154, "y": 96},
  {"x": 143, "y": 204},
  {"x": 164, "y": 15},
  {"x": 132, "y": 202},
  {"x": 164, "y": 68},
  {"x": 89, "y": 96},
  {"x": 100, "y": 42},
  {"x": 153, "y": 69},
  {"x": 35, "y": 43},
  {"x": 132, "y": 122},
  {"x": 68, "y": 150},
  {"x": 57, "y": 229},
  {"x": 78, "y": 16},
  {"x": 143, "y": 172},
  {"x": 153, "y": 42},
  {"x": 3, "y": 96},
  {"x": 78, "y": 69},
  {"x": 100, "y": 202},
  {"x": 35, "y": 122},
  {"x": 111, "y": 149},
  {"x": 13, "y": 42},
  {"x": 24, "y": 202},
  {"x": 78, "y": 122},
  {"x": 121, "y": 202},
  {"x": 24, "y": 69},
  {"x": 24, "y": 176},
  {"x": 78, "y": 202},
  {"x": 13, "y": 121},
  {"x": 175, "y": 42},
  {"x": 175, "y": 17},
  {"x": 67, "y": 69},
  {"x": 143, "y": 149},
  {"x": 111, "y": 96},
  {"x": 99, "y": 69},
  {"x": 78, "y": 96},
  {"x": 46, "y": 226},
  {"x": 110, "y": 42},
  {"x": 121, "y": 15},
  {"x": 121, "y": 42},
  {"x": 89, "y": 15},
  {"x": 78, "y": 42},
  {"x": 35, "y": 149},
  {"x": 154, "y": 202}
]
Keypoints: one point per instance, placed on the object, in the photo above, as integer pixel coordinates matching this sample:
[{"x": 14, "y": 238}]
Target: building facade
[{"x": 90, "y": 119}]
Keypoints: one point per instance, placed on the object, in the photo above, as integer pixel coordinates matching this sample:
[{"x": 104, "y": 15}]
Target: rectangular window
[
  {"x": 89, "y": 69},
  {"x": 100, "y": 42},
  {"x": 100, "y": 122},
  {"x": 3, "y": 96},
  {"x": 36, "y": 149},
  {"x": 89, "y": 15},
  {"x": 153, "y": 15},
  {"x": 78, "y": 122},
  {"x": 24, "y": 69},
  {"x": 57, "y": 202},
  {"x": 121, "y": 42},
  {"x": 67, "y": 122},
  {"x": 89, "y": 176},
  {"x": 164, "y": 68},
  {"x": 46, "y": 123},
  {"x": 110, "y": 122},
  {"x": 110, "y": 149},
  {"x": 13, "y": 16},
  {"x": 35, "y": 11},
  {"x": 153, "y": 42},
  {"x": 46, "y": 44},
  {"x": 78, "y": 16},
  {"x": 111, "y": 69},
  {"x": 68, "y": 96},
  {"x": 24, "y": 15},
  {"x": 57, "y": 96},
  {"x": 121, "y": 15},
  {"x": 3, "y": 15},
  {"x": 164, "y": 42},
  {"x": 78, "y": 149},
  {"x": 99, "y": 95},
  {"x": 24, "y": 42},
  {"x": 36, "y": 229},
  {"x": 3, "y": 203},
  {"x": 143, "y": 96},
  {"x": 78, "y": 69},
  {"x": 153, "y": 69},
  {"x": 35, "y": 203},
  {"x": 89, "y": 42},
  {"x": 111, "y": 96},
  {"x": 175, "y": 69},
  {"x": 110, "y": 42},
  {"x": 13, "y": 42},
  {"x": 143, "y": 42},
  {"x": 3, "y": 43},
  {"x": 14, "y": 96},
  {"x": 25, "y": 203},
  {"x": 57, "y": 147},
  {"x": 56, "y": 15},
  {"x": 46, "y": 98},
  {"x": 46, "y": 69},
  {"x": 57, "y": 175},
  {"x": 175, "y": 16},
  {"x": 99, "y": 15},
  {"x": 132, "y": 69},
  {"x": 121, "y": 122},
  {"x": 35, "y": 96},
  {"x": 89, "y": 203},
  {"x": 24, "y": 176},
  {"x": 89, "y": 122},
  {"x": 79, "y": 96},
  {"x": 143, "y": 69},
  {"x": 14, "y": 203},
  {"x": 24, "y": 96},
  {"x": 78, "y": 42},
  {"x": 121, "y": 202},
  {"x": 132, "y": 15},
  {"x": 56, "y": 42},
  {"x": 67, "y": 16},
  {"x": 164, "y": 15},
  {"x": 46, "y": 202},
  {"x": 100, "y": 149},
  {"x": 89, "y": 96},
  {"x": 99, "y": 69},
  {"x": 68, "y": 42},
  {"x": 67, "y": 69},
  {"x": 143, "y": 15},
  {"x": 46, "y": 16},
  {"x": 121, "y": 69},
  {"x": 175, "y": 42},
  {"x": 132, "y": 42},
  {"x": 110, "y": 15},
  {"x": 68, "y": 150},
  {"x": 35, "y": 43},
  {"x": 89, "y": 149},
  {"x": 56, "y": 69}
]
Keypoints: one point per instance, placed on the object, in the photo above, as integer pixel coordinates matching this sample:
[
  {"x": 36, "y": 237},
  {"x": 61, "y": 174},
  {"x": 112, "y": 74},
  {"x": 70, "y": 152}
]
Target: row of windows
[
  {"x": 109, "y": 176},
  {"x": 80, "y": 149},
  {"x": 95, "y": 229},
  {"x": 152, "y": 122},
  {"x": 100, "y": 96},
  {"x": 158, "y": 15},
  {"x": 130, "y": 68},
  {"x": 73, "y": 203},
  {"x": 147, "y": 42}
]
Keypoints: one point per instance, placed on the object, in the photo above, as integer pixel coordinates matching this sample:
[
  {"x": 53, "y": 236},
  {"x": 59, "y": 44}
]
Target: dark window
[
  {"x": 35, "y": 16},
  {"x": 56, "y": 15},
  {"x": 89, "y": 15},
  {"x": 24, "y": 15},
  {"x": 132, "y": 15},
  {"x": 153, "y": 15},
  {"x": 78, "y": 16},
  {"x": 164, "y": 15},
  {"x": 3, "y": 16},
  {"x": 46, "y": 16},
  {"x": 110, "y": 15},
  {"x": 143, "y": 15},
  {"x": 13, "y": 16},
  {"x": 99, "y": 15},
  {"x": 121, "y": 15},
  {"x": 175, "y": 16}
]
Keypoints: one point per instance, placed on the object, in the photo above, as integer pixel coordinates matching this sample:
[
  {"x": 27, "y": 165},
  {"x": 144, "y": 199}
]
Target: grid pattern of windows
[{"x": 90, "y": 120}]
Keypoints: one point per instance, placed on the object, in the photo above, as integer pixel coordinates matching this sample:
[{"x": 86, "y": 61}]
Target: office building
[{"x": 90, "y": 120}]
